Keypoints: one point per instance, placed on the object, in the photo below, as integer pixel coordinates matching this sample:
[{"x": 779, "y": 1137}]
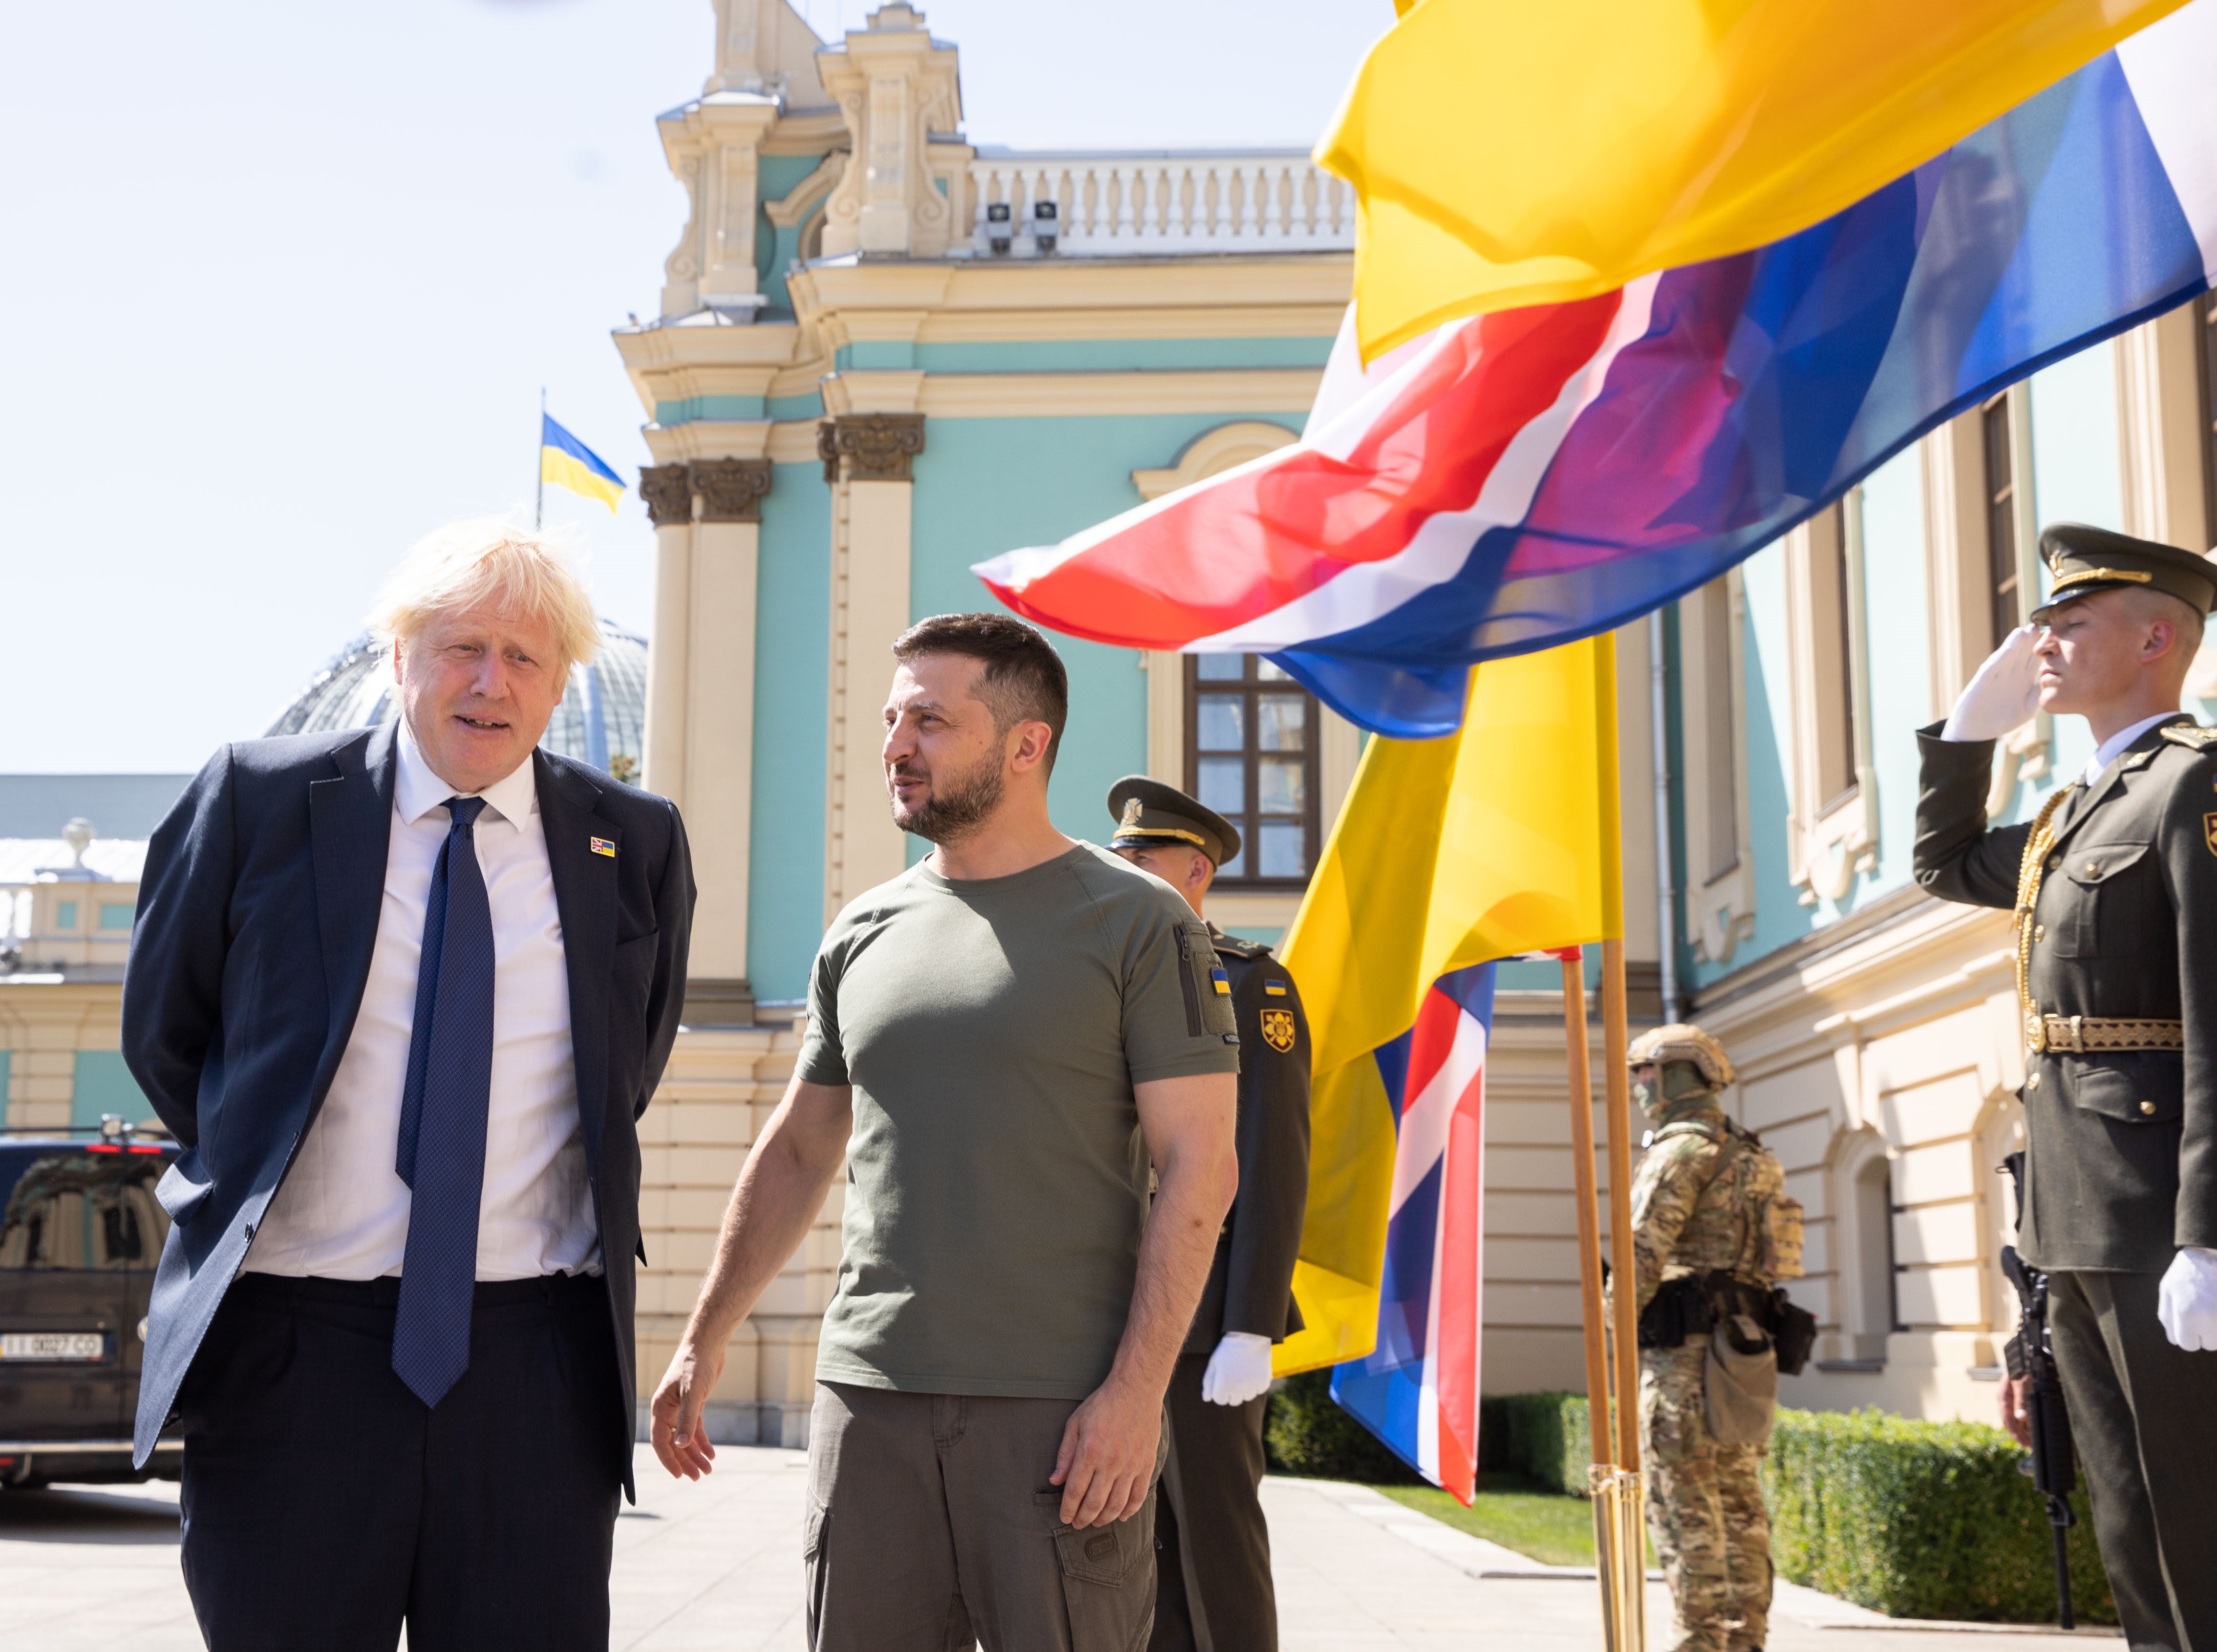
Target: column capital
[
  {"x": 731, "y": 489},
  {"x": 668, "y": 493},
  {"x": 877, "y": 447}
]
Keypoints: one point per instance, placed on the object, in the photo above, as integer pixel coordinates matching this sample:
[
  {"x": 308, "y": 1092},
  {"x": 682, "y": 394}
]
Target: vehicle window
[{"x": 78, "y": 1208}]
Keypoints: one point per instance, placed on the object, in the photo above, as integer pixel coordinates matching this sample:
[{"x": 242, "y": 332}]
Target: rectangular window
[
  {"x": 1717, "y": 757},
  {"x": 1832, "y": 637},
  {"x": 65, "y": 916},
  {"x": 117, "y": 914},
  {"x": 1251, "y": 748},
  {"x": 2004, "y": 612}
]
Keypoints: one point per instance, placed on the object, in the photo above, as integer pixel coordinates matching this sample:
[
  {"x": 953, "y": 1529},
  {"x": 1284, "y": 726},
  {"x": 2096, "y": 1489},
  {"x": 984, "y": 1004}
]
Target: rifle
[{"x": 2052, "y": 1467}]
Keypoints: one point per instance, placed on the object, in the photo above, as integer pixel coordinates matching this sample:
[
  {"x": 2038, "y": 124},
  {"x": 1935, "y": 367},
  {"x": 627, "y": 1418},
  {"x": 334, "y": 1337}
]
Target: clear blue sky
[{"x": 283, "y": 281}]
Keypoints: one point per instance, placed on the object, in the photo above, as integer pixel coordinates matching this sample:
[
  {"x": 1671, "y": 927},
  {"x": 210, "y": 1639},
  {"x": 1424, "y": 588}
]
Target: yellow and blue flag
[
  {"x": 568, "y": 462},
  {"x": 1507, "y": 154},
  {"x": 1497, "y": 840}
]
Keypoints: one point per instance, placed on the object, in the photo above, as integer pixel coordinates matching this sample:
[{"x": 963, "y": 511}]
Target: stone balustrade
[{"x": 1108, "y": 205}]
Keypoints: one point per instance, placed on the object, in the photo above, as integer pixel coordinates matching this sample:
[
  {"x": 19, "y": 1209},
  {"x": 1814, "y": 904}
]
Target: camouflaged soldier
[{"x": 1713, "y": 1231}]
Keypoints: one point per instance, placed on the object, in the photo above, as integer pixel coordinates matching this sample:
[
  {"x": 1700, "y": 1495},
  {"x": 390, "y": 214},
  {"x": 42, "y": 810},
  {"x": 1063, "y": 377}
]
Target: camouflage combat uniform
[{"x": 1690, "y": 1201}]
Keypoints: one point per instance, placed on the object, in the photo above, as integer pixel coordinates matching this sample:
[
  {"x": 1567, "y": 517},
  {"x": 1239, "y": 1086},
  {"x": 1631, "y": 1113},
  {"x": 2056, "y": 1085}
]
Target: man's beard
[{"x": 958, "y": 803}]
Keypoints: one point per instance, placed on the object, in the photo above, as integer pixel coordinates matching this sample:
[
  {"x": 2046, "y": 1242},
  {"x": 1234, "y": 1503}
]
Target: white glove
[
  {"x": 2005, "y": 692},
  {"x": 1239, "y": 1370},
  {"x": 2186, "y": 1303}
]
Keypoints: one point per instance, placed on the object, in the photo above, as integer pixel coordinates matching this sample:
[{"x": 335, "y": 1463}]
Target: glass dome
[{"x": 601, "y": 720}]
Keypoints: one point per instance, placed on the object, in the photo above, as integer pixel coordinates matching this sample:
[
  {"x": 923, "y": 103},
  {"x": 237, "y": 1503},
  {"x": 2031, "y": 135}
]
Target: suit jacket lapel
[
  {"x": 585, "y": 896},
  {"x": 350, "y": 830}
]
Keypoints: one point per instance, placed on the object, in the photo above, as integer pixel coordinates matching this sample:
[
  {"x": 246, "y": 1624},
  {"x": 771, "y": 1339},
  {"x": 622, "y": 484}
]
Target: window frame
[{"x": 1252, "y": 690}]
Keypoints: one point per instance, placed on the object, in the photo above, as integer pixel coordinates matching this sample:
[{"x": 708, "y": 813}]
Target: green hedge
[
  {"x": 1914, "y": 1519},
  {"x": 1546, "y": 1438},
  {"x": 1920, "y": 1520},
  {"x": 1304, "y": 1433}
]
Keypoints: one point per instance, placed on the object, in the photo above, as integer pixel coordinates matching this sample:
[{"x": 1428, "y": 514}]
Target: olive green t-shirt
[{"x": 993, "y": 1030}]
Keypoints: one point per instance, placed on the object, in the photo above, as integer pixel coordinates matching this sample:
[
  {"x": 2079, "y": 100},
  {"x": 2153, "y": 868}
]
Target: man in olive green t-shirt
[{"x": 999, "y": 1041}]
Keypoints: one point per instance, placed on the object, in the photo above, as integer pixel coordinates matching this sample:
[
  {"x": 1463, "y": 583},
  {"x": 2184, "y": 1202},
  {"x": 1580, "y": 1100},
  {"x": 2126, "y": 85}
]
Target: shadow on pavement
[{"x": 86, "y": 1516}]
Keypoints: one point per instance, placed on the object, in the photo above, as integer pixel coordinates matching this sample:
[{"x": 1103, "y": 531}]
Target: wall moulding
[
  {"x": 1211, "y": 453},
  {"x": 1065, "y": 395},
  {"x": 731, "y": 490},
  {"x": 708, "y": 439},
  {"x": 668, "y": 493},
  {"x": 869, "y": 446}
]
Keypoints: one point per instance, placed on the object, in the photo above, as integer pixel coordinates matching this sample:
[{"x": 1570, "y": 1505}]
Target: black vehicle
[{"x": 80, "y": 1233}]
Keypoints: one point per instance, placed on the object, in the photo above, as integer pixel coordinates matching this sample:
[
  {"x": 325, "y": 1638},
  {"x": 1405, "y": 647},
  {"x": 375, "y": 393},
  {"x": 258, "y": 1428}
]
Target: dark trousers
[
  {"x": 324, "y": 1503},
  {"x": 1213, "y": 1563},
  {"x": 2140, "y": 1411}
]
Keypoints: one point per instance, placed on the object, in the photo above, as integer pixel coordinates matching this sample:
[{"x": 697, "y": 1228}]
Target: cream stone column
[
  {"x": 867, "y": 458},
  {"x": 719, "y": 732},
  {"x": 668, "y": 493}
]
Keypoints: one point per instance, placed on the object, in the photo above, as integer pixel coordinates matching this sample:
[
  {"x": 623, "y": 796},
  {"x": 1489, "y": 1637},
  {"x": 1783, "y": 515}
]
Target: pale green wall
[
  {"x": 986, "y": 485},
  {"x": 104, "y": 1084},
  {"x": 792, "y": 670}
]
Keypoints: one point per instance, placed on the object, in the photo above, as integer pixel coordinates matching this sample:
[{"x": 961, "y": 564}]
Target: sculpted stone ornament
[
  {"x": 668, "y": 492},
  {"x": 731, "y": 490},
  {"x": 877, "y": 447}
]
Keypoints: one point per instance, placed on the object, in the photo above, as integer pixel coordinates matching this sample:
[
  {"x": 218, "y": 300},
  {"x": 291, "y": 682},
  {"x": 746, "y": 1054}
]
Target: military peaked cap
[
  {"x": 1148, "y": 814},
  {"x": 2081, "y": 560}
]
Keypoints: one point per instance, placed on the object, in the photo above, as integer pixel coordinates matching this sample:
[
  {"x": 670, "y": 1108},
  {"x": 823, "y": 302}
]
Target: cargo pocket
[
  {"x": 2131, "y": 1088},
  {"x": 1107, "y": 1576},
  {"x": 815, "y": 1529}
]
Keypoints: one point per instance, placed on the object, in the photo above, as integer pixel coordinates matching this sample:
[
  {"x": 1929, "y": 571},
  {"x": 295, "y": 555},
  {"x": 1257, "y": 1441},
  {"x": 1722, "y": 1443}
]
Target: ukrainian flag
[
  {"x": 1498, "y": 839},
  {"x": 568, "y": 462}
]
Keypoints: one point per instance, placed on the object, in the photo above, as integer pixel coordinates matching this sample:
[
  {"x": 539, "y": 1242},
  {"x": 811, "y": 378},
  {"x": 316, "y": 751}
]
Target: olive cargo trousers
[{"x": 931, "y": 1527}]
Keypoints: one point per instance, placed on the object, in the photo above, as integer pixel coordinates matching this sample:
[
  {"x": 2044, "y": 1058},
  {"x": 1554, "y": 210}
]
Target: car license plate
[{"x": 53, "y": 1345}]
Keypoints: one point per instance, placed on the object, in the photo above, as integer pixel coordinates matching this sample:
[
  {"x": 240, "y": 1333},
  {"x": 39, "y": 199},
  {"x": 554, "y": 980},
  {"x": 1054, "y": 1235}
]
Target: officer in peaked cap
[
  {"x": 2113, "y": 886},
  {"x": 1214, "y": 1577}
]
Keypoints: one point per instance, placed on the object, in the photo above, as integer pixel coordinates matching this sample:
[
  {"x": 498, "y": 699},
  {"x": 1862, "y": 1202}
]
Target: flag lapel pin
[{"x": 604, "y": 847}]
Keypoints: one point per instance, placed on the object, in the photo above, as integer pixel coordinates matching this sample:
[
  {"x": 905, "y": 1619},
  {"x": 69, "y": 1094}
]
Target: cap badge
[
  {"x": 1278, "y": 1029},
  {"x": 1132, "y": 808}
]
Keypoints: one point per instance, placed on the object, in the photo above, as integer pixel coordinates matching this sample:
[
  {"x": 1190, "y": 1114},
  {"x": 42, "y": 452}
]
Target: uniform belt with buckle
[{"x": 2078, "y": 1034}]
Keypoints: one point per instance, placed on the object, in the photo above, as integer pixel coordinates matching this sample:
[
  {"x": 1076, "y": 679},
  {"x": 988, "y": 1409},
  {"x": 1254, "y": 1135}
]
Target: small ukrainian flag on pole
[{"x": 568, "y": 462}]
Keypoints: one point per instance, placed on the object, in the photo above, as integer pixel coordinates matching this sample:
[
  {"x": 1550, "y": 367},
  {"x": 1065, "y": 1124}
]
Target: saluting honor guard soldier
[
  {"x": 1213, "y": 1588},
  {"x": 1712, "y": 1234},
  {"x": 2114, "y": 890}
]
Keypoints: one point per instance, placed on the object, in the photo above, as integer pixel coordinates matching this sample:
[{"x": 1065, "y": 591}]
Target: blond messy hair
[{"x": 468, "y": 565}]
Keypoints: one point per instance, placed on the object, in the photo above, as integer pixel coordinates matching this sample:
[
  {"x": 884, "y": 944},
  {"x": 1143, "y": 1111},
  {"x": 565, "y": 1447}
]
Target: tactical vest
[{"x": 1745, "y": 1223}]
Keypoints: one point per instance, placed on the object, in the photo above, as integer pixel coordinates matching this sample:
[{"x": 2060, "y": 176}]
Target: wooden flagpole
[
  {"x": 1582, "y": 1173},
  {"x": 1617, "y": 1087}
]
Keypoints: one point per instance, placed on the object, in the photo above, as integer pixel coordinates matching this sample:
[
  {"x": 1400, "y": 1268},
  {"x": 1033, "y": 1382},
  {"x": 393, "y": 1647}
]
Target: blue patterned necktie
[{"x": 442, "y": 1117}]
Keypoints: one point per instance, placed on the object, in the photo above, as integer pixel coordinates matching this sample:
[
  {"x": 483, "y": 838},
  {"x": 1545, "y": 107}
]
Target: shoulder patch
[{"x": 2192, "y": 736}]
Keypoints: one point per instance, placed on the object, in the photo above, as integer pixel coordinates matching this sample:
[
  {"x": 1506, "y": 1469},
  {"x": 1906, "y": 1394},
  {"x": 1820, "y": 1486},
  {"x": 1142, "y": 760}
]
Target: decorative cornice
[
  {"x": 877, "y": 447},
  {"x": 669, "y": 494},
  {"x": 731, "y": 490}
]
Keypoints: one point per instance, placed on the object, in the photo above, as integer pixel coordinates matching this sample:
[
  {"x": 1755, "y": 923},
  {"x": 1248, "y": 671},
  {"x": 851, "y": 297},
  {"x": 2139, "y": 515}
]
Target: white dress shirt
[
  {"x": 2107, "y": 753},
  {"x": 343, "y": 1213}
]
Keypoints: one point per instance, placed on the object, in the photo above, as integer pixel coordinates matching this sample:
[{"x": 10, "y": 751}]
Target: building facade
[
  {"x": 1875, "y": 1030},
  {"x": 886, "y": 352}
]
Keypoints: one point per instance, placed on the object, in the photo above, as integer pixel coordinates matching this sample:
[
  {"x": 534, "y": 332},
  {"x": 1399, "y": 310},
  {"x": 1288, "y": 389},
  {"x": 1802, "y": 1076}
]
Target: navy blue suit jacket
[{"x": 257, "y": 915}]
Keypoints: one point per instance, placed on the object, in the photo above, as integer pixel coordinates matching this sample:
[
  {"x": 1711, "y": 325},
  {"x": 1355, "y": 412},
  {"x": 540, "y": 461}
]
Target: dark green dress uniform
[
  {"x": 2114, "y": 887},
  {"x": 1212, "y": 1573}
]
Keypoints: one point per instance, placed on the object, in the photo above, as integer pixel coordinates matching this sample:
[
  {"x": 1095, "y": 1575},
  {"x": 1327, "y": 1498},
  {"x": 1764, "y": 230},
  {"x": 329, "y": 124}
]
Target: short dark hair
[{"x": 1023, "y": 679}]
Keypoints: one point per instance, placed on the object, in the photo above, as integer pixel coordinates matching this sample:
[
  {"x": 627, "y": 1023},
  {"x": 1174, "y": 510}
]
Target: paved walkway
[{"x": 718, "y": 1565}]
